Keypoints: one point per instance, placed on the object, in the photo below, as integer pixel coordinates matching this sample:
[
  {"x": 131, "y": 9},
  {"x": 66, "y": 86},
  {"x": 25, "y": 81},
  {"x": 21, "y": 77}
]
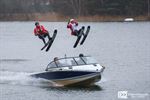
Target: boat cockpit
[{"x": 71, "y": 61}]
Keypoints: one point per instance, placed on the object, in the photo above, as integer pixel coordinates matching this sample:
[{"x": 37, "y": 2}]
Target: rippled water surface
[{"x": 122, "y": 47}]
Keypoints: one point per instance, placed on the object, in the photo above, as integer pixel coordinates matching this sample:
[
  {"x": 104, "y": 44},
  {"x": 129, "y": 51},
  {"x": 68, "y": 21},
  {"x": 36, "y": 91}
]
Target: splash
[{"x": 23, "y": 78}]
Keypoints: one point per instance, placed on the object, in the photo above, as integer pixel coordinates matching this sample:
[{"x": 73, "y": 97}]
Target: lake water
[{"x": 122, "y": 47}]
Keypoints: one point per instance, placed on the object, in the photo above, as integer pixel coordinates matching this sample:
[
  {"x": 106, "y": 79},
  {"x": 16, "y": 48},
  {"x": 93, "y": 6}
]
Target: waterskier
[
  {"x": 73, "y": 26},
  {"x": 41, "y": 32}
]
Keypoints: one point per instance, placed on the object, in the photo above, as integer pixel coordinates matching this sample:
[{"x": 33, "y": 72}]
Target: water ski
[
  {"x": 85, "y": 35},
  {"x": 52, "y": 40},
  {"x": 78, "y": 37},
  {"x": 45, "y": 45}
]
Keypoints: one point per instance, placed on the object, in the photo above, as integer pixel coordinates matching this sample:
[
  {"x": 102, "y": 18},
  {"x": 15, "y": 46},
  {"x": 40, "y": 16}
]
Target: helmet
[
  {"x": 36, "y": 23},
  {"x": 81, "y": 55},
  {"x": 71, "y": 20}
]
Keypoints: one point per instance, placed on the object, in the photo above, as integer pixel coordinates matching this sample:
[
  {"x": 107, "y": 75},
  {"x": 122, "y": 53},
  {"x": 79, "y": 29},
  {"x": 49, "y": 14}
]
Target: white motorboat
[{"x": 72, "y": 71}]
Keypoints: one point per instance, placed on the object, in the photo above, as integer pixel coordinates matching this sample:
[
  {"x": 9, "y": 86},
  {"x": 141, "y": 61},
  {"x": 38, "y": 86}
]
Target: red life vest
[
  {"x": 71, "y": 25},
  {"x": 40, "y": 30}
]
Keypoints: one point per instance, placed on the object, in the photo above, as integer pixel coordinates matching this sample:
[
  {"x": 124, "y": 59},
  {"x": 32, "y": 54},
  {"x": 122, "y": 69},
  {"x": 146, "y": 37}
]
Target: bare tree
[{"x": 76, "y": 6}]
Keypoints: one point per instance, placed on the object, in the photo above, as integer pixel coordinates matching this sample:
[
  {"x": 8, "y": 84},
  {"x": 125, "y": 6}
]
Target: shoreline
[{"x": 53, "y": 17}]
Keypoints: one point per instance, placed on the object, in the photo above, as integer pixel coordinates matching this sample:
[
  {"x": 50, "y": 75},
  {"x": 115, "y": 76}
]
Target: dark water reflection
[{"x": 67, "y": 89}]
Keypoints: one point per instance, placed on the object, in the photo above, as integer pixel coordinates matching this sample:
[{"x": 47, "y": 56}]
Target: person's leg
[
  {"x": 80, "y": 30},
  {"x": 47, "y": 34},
  {"x": 76, "y": 32},
  {"x": 42, "y": 38}
]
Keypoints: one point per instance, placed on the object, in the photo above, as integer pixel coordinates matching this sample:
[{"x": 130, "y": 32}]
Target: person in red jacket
[
  {"x": 73, "y": 26},
  {"x": 41, "y": 32}
]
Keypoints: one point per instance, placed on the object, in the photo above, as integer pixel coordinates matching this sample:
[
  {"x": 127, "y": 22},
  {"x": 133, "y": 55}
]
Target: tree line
[{"x": 77, "y": 7}]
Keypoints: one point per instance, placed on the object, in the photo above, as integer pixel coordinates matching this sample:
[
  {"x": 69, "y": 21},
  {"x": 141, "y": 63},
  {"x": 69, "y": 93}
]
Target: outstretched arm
[
  {"x": 69, "y": 26},
  {"x": 35, "y": 32}
]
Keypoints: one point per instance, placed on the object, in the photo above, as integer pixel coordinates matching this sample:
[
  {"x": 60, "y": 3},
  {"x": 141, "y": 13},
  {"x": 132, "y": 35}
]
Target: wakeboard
[
  {"x": 51, "y": 41},
  {"x": 85, "y": 35},
  {"x": 79, "y": 37}
]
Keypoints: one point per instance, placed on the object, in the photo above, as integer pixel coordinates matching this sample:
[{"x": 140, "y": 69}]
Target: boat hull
[{"x": 70, "y": 78}]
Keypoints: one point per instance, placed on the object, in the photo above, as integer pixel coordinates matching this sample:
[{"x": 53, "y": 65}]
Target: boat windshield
[{"x": 72, "y": 61}]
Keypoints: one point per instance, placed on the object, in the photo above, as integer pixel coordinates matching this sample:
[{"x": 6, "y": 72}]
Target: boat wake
[{"x": 23, "y": 78}]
